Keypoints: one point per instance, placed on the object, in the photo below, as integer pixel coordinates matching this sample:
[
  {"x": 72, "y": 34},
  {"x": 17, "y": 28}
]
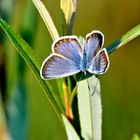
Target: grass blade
[
  {"x": 85, "y": 111},
  {"x": 90, "y": 108},
  {"x": 131, "y": 34},
  {"x": 26, "y": 52},
  {"x": 94, "y": 89},
  {"x": 47, "y": 19},
  {"x": 71, "y": 133}
]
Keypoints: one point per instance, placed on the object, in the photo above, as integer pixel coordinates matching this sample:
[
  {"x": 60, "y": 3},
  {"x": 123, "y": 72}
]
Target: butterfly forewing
[
  {"x": 57, "y": 66},
  {"x": 68, "y": 47},
  {"x": 66, "y": 59},
  {"x": 93, "y": 44},
  {"x": 100, "y": 63}
]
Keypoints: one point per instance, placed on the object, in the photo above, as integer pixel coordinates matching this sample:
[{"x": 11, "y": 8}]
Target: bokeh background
[{"x": 21, "y": 95}]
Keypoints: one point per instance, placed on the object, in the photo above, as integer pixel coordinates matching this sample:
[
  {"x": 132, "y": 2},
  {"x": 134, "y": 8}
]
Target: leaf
[
  {"x": 47, "y": 19},
  {"x": 71, "y": 133},
  {"x": 68, "y": 8},
  {"x": 90, "y": 108},
  {"x": 94, "y": 89},
  {"x": 26, "y": 52},
  {"x": 85, "y": 110},
  {"x": 131, "y": 34}
]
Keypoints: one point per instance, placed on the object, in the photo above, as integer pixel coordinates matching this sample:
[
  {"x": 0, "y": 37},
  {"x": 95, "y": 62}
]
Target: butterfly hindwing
[
  {"x": 93, "y": 44},
  {"x": 100, "y": 63},
  {"x": 57, "y": 66}
]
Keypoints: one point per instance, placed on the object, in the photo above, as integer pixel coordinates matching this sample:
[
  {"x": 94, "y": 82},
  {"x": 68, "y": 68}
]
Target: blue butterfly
[{"x": 69, "y": 57}]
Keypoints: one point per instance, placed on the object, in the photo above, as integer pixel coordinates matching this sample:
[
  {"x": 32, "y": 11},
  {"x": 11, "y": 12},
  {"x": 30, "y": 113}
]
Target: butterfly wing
[
  {"x": 94, "y": 42},
  {"x": 65, "y": 60},
  {"x": 68, "y": 47},
  {"x": 100, "y": 63},
  {"x": 57, "y": 66}
]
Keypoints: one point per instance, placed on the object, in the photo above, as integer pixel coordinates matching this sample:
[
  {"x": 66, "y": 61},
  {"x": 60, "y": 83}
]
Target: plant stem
[
  {"x": 67, "y": 106},
  {"x": 74, "y": 92}
]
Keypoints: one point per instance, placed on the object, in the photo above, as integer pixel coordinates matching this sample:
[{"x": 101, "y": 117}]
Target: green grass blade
[
  {"x": 47, "y": 19},
  {"x": 131, "y": 34},
  {"x": 85, "y": 110},
  {"x": 71, "y": 133},
  {"x": 26, "y": 52}
]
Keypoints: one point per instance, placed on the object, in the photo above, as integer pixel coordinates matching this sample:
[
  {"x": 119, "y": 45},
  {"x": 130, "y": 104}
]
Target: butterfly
[{"x": 70, "y": 57}]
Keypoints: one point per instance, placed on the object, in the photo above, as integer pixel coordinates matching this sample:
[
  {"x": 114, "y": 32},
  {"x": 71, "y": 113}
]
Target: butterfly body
[{"x": 70, "y": 57}]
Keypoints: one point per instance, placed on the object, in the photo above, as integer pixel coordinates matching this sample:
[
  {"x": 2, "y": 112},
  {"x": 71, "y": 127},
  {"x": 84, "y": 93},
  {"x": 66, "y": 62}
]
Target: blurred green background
[{"x": 120, "y": 85}]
